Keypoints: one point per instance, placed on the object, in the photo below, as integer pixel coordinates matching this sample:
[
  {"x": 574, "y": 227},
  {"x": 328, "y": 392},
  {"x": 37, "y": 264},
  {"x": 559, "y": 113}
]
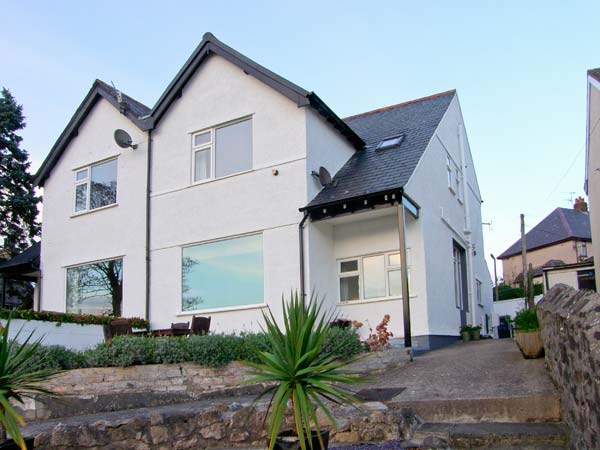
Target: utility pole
[
  {"x": 524, "y": 253},
  {"x": 530, "y": 303},
  {"x": 496, "y": 295}
]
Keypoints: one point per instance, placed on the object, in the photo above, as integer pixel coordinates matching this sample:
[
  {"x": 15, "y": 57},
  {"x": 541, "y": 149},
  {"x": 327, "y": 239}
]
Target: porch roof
[
  {"x": 22, "y": 265},
  {"x": 374, "y": 171}
]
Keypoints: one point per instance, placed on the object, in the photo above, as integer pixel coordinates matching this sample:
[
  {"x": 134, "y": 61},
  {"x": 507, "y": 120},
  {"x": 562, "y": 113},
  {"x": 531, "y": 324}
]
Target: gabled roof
[
  {"x": 373, "y": 170},
  {"x": 209, "y": 45},
  {"x": 130, "y": 108},
  {"x": 595, "y": 74},
  {"x": 560, "y": 225},
  {"x": 146, "y": 118}
]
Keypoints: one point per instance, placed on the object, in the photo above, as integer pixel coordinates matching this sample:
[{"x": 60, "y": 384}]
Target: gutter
[
  {"x": 301, "y": 244},
  {"x": 148, "y": 189}
]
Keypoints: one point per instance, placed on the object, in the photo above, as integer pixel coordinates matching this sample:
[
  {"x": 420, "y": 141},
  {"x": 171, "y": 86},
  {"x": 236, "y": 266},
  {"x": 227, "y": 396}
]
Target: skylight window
[{"x": 390, "y": 142}]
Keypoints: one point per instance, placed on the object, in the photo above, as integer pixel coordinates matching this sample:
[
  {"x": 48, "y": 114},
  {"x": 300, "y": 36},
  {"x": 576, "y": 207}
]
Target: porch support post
[{"x": 404, "y": 273}]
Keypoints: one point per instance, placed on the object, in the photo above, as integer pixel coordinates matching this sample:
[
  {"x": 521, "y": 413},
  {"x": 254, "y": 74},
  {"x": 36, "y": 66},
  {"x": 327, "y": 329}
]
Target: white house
[{"x": 215, "y": 209}]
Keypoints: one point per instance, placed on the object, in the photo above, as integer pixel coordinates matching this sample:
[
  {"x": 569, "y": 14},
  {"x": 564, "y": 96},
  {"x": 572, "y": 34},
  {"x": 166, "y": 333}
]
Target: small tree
[{"x": 18, "y": 202}]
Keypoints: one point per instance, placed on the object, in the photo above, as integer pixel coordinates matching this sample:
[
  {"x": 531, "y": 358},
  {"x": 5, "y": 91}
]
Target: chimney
[{"x": 580, "y": 205}]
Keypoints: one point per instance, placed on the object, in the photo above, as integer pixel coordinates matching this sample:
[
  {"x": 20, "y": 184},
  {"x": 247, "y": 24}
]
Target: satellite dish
[
  {"x": 323, "y": 175},
  {"x": 123, "y": 139}
]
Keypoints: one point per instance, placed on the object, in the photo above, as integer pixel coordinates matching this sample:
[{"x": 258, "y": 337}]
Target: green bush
[
  {"x": 506, "y": 292},
  {"x": 527, "y": 320},
  {"x": 210, "y": 350},
  {"x": 59, "y": 317}
]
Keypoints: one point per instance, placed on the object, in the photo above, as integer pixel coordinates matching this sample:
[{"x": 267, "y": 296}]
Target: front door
[{"x": 460, "y": 281}]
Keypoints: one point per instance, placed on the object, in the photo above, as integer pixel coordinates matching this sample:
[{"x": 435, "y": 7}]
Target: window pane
[
  {"x": 95, "y": 288},
  {"x": 349, "y": 266},
  {"x": 223, "y": 274},
  {"x": 201, "y": 139},
  {"x": 80, "y": 197},
  {"x": 233, "y": 148},
  {"x": 374, "y": 276},
  {"x": 104, "y": 184},
  {"x": 395, "y": 280},
  {"x": 349, "y": 289},
  {"x": 202, "y": 165},
  {"x": 81, "y": 175},
  {"x": 394, "y": 259}
]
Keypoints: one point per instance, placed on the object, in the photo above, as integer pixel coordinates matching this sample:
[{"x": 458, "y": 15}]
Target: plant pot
[
  {"x": 10, "y": 444},
  {"x": 466, "y": 336},
  {"x": 530, "y": 343},
  {"x": 476, "y": 335},
  {"x": 288, "y": 440}
]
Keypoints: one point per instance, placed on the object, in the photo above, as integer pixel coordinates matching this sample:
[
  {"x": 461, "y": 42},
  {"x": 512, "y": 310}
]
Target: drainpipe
[
  {"x": 301, "y": 243},
  {"x": 467, "y": 231},
  {"x": 148, "y": 190}
]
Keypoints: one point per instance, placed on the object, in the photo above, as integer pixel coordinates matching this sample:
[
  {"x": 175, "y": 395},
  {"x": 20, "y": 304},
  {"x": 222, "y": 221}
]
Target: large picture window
[
  {"x": 95, "y": 288},
  {"x": 222, "y": 151},
  {"x": 96, "y": 186},
  {"x": 370, "y": 277},
  {"x": 223, "y": 274}
]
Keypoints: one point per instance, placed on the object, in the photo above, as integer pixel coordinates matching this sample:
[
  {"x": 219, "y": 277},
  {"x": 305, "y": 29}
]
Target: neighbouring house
[
  {"x": 240, "y": 186},
  {"x": 579, "y": 275},
  {"x": 19, "y": 277},
  {"x": 592, "y": 166},
  {"x": 562, "y": 237}
]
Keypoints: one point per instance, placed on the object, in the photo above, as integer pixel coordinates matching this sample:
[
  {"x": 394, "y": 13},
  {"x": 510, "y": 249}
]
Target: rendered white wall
[
  {"x": 106, "y": 233},
  {"x": 69, "y": 335},
  {"x": 254, "y": 201}
]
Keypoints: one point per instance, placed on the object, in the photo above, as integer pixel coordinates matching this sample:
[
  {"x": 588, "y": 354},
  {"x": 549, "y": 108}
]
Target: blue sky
[{"x": 519, "y": 68}]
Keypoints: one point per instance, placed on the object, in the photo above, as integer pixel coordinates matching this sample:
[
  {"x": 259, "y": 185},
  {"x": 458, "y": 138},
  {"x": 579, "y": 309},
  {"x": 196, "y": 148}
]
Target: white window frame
[
  {"x": 211, "y": 146},
  {"x": 88, "y": 182},
  {"x": 360, "y": 272},
  {"x": 449, "y": 172},
  {"x": 584, "y": 252},
  {"x": 478, "y": 291}
]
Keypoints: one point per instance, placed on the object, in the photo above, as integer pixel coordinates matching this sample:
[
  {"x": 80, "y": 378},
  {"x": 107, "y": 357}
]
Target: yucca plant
[
  {"x": 301, "y": 370},
  {"x": 18, "y": 380}
]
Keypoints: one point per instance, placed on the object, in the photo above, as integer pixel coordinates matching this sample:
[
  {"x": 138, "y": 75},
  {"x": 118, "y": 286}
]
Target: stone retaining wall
[
  {"x": 570, "y": 322},
  {"x": 94, "y": 390}
]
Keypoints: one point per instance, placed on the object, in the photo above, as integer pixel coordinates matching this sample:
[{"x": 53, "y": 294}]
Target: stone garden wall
[
  {"x": 570, "y": 322},
  {"x": 104, "y": 389}
]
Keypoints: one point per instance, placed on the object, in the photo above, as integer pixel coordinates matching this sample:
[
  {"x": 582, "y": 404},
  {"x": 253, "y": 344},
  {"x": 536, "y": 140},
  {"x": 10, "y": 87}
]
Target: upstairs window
[
  {"x": 222, "y": 151},
  {"x": 96, "y": 186}
]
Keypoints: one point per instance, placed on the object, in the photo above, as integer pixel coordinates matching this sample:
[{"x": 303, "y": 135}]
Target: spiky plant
[
  {"x": 18, "y": 380},
  {"x": 299, "y": 369}
]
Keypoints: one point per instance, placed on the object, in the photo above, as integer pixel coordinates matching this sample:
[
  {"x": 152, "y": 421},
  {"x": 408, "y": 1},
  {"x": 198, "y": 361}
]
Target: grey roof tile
[
  {"x": 371, "y": 170},
  {"x": 560, "y": 225}
]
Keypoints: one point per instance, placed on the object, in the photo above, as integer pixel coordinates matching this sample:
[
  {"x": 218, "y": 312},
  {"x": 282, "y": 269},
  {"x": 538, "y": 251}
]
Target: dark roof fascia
[
  {"x": 569, "y": 266},
  {"x": 529, "y": 250},
  {"x": 594, "y": 73},
  {"x": 210, "y": 44},
  {"x": 96, "y": 92}
]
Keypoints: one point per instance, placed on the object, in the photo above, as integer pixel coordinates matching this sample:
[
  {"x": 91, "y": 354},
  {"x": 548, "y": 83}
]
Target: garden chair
[
  {"x": 180, "y": 329},
  {"x": 200, "y": 325},
  {"x": 116, "y": 327}
]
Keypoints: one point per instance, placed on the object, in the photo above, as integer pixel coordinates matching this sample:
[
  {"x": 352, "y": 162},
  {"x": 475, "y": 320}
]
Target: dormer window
[{"x": 390, "y": 142}]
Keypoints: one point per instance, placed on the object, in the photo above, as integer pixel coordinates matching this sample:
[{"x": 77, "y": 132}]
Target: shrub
[
  {"x": 527, "y": 320},
  {"x": 59, "y": 317},
  {"x": 347, "y": 339},
  {"x": 56, "y": 357},
  {"x": 170, "y": 350}
]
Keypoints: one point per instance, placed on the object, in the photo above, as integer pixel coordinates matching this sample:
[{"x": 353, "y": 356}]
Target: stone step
[
  {"x": 531, "y": 408},
  {"x": 505, "y": 436}
]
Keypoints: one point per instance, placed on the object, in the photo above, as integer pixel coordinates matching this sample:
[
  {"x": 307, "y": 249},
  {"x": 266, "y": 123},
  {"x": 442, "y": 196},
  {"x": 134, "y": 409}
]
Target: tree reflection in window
[
  {"x": 96, "y": 288},
  {"x": 103, "y": 189}
]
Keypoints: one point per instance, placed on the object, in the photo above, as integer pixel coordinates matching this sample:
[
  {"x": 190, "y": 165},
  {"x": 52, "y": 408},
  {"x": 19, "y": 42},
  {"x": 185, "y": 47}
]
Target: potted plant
[
  {"x": 302, "y": 372},
  {"x": 18, "y": 379},
  {"x": 527, "y": 333},
  {"x": 465, "y": 333},
  {"x": 476, "y": 333}
]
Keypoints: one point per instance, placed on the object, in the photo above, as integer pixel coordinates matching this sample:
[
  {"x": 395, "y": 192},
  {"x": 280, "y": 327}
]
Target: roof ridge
[
  {"x": 565, "y": 222},
  {"x": 398, "y": 105},
  {"x": 105, "y": 85}
]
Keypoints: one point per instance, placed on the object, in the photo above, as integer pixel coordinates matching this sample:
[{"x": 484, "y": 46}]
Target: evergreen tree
[{"x": 18, "y": 202}]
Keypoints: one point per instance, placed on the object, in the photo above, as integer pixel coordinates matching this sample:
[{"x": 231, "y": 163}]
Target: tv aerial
[
  {"x": 123, "y": 139},
  {"x": 324, "y": 176}
]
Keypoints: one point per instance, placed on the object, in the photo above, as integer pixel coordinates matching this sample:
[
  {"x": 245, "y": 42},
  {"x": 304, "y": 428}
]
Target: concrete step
[
  {"x": 497, "y": 436},
  {"x": 530, "y": 408}
]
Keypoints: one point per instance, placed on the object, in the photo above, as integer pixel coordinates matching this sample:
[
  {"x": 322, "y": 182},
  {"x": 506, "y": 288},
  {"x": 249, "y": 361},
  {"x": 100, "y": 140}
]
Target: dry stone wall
[{"x": 570, "y": 322}]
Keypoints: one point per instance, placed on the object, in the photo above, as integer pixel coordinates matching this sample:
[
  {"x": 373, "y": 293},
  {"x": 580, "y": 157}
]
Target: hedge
[
  {"x": 59, "y": 317},
  {"x": 506, "y": 292},
  {"x": 209, "y": 350}
]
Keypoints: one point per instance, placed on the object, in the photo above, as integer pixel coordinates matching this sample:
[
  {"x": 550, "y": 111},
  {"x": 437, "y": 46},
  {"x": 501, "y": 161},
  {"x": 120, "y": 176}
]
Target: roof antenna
[{"x": 122, "y": 104}]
